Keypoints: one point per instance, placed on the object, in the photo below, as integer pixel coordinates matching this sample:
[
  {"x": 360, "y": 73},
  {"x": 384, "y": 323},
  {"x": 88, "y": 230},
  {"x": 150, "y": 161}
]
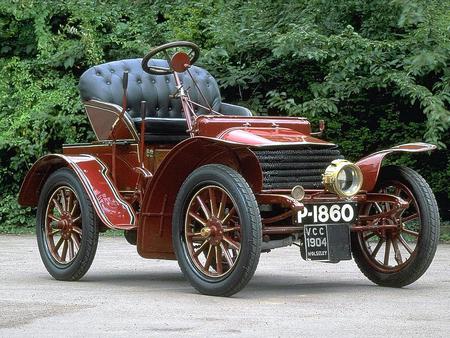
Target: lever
[
  {"x": 125, "y": 80},
  {"x": 144, "y": 109}
]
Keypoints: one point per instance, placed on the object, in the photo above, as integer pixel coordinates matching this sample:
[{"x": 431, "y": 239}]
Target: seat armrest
[
  {"x": 232, "y": 109},
  {"x": 104, "y": 115}
]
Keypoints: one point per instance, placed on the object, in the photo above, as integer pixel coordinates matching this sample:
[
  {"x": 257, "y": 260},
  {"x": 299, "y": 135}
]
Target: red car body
[{"x": 133, "y": 185}]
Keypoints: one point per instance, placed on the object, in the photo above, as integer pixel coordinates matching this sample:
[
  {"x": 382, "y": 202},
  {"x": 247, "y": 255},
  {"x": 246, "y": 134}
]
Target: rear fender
[
  {"x": 112, "y": 210},
  {"x": 155, "y": 231},
  {"x": 370, "y": 165}
]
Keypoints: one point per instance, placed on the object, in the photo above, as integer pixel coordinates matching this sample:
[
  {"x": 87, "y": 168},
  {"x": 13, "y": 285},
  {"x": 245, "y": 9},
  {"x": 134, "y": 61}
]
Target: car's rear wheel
[
  {"x": 217, "y": 230},
  {"x": 67, "y": 226},
  {"x": 400, "y": 255}
]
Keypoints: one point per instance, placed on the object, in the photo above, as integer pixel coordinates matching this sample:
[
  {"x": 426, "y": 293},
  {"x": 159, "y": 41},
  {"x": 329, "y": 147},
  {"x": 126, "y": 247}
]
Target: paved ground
[{"x": 125, "y": 295}]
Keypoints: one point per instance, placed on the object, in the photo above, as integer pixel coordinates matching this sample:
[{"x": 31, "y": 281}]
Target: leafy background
[{"x": 377, "y": 71}]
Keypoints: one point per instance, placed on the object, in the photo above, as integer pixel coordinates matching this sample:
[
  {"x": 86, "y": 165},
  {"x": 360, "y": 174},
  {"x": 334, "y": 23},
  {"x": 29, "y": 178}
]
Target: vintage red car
[{"x": 191, "y": 178}]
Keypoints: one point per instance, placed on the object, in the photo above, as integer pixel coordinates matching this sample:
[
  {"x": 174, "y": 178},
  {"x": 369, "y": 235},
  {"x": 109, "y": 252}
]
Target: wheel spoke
[
  {"x": 387, "y": 251},
  {"x": 410, "y": 232},
  {"x": 227, "y": 255},
  {"x": 199, "y": 238},
  {"x": 223, "y": 201},
  {"x": 55, "y": 231},
  {"x": 58, "y": 245},
  {"x": 405, "y": 245},
  {"x": 69, "y": 199},
  {"x": 63, "y": 199},
  {"x": 64, "y": 251},
  {"x": 57, "y": 206},
  {"x": 203, "y": 207},
  {"x": 212, "y": 201},
  {"x": 379, "y": 208},
  {"x": 377, "y": 248},
  {"x": 76, "y": 219},
  {"x": 77, "y": 230},
  {"x": 398, "y": 255},
  {"x": 192, "y": 234},
  {"x": 410, "y": 217},
  {"x": 75, "y": 204},
  {"x": 219, "y": 267},
  {"x": 197, "y": 218},
  {"x": 209, "y": 257},
  {"x": 71, "y": 250},
  {"x": 75, "y": 240},
  {"x": 53, "y": 217},
  {"x": 228, "y": 216},
  {"x": 232, "y": 243},
  {"x": 369, "y": 236},
  {"x": 201, "y": 248},
  {"x": 225, "y": 230}
]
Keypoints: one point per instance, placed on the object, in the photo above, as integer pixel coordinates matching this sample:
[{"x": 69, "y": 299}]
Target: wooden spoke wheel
[
  {"x": 67, "y": 226},
  {"x": 212, "y": 231},
  {"x": 217, "y": 230},
  {"x": 63, "y": 228},
  {"x": 401, "y": 254}
]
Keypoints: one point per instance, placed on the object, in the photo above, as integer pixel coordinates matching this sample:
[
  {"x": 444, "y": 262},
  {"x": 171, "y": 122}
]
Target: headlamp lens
[{"x": 343, "y": 177}]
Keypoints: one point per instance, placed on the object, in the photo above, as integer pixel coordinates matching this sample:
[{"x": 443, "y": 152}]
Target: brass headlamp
[{"x": 342, "y": 178}]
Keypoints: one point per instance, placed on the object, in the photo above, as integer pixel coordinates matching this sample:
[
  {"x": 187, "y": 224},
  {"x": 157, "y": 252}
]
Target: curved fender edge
[
  {"x": 370, "y": 165},
  {"x": 112, "y": 210},
  {"x": 155, "y": 226}
]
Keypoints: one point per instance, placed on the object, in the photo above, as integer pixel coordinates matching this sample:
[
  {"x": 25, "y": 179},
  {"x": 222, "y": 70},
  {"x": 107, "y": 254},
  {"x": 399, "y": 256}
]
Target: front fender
[
  {"x": 155, "y": 230},
  {"x": 112, "y": 210},
  {"x": 370, "y": 165}
]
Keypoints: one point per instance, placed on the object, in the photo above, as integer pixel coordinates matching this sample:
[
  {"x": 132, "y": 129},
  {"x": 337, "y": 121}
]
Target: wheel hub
[
  {"x": 66, "y": 225},
  {"x": 213, "y": 230}
]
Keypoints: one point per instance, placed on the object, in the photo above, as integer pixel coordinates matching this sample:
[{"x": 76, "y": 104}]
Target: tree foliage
[{"x": 376, "y": 71}]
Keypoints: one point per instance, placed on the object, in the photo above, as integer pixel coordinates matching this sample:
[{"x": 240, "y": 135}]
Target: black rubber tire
[
  {"x": 251, "y": 232},
  {"x": 428, "y": 237},
  {"x": 90, "y": 225}
]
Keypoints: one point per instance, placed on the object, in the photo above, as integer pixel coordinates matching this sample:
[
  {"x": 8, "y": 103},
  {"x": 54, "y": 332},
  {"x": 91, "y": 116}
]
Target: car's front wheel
[
  {"x": 398, "y": 256},
  {"x": 217, "y": 230},
  {"x": 66, "y": 227}
]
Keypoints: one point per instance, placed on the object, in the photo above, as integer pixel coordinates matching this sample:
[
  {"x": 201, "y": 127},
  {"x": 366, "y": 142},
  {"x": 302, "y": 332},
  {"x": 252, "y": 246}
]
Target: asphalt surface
[{"x": 125, "y": 295}]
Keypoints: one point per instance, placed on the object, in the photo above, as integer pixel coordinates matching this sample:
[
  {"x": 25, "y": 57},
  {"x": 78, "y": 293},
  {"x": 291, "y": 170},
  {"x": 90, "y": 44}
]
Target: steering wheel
[{"x": 178, "y": 61}]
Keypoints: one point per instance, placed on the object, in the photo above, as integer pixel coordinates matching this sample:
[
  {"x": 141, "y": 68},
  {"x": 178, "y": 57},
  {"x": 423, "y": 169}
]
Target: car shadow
[{"x": 261, "y": 286}]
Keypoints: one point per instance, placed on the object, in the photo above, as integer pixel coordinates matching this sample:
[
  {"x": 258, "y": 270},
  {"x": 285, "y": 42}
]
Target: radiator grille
[{"x": 285, "y": 168}]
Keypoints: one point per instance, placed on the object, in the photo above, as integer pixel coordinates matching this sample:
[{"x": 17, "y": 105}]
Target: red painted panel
[
  {"x": 113, "y": 211},
  {"x": 370, "y": 165},
  {"x": 268, "y": 137},
  {"x": 155, "y": 226},
  {"x": 211, "y": 126}
]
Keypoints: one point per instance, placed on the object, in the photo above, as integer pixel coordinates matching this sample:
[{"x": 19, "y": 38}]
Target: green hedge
[{"x": 376, "y": 71}]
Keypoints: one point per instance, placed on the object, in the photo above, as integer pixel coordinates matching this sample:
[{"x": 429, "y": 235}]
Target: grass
[{"x": 445, "y": 231}]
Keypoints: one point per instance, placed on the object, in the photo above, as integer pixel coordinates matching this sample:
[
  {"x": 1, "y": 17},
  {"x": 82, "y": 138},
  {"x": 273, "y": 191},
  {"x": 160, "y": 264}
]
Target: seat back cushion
[{"x": 104, "y": 83}]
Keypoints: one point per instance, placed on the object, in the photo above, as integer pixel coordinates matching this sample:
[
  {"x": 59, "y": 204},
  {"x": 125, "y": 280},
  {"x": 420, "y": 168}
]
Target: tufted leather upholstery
[{"x": 164, "y": 120}]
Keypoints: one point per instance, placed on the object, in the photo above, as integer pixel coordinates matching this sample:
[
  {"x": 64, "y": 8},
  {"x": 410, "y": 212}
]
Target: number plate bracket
[{"x": 326, "y": 242}]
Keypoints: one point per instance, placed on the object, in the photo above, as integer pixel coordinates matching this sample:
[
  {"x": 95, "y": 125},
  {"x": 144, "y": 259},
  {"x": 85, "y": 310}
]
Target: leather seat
[{"x": 164, "y": 121}]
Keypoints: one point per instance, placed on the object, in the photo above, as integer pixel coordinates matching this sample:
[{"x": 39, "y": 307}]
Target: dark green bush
[{"x": 376, "y": 71}]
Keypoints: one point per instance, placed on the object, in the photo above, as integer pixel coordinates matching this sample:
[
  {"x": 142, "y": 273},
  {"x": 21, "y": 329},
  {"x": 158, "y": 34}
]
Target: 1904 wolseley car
[{"x": 189, "y": 177}]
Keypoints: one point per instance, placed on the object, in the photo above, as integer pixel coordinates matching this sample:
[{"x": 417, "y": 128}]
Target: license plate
[
  {"x": 316, "y": 242},
  {"x": 328, "y": 213}
]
